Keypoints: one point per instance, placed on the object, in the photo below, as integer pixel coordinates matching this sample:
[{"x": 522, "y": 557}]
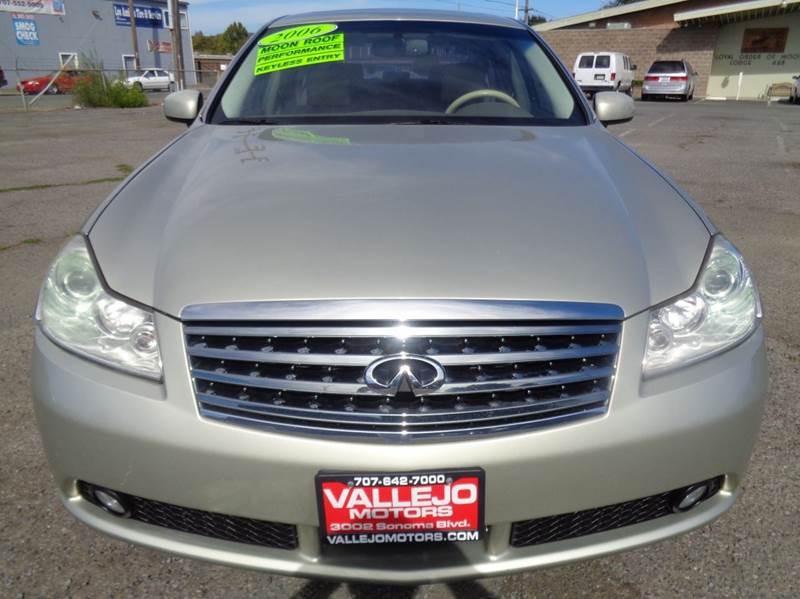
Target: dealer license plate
[{"x": 411, "y": 507}]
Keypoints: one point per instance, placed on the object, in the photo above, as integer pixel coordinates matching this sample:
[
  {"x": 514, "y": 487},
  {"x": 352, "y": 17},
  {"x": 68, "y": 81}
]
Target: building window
[
  {"x": 68, "y": 59},
  {"x": 184, "y": 20}
]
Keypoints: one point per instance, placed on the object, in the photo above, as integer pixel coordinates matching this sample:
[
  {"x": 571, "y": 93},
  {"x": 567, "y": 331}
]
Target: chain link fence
[{"x": 30, "y": 84}]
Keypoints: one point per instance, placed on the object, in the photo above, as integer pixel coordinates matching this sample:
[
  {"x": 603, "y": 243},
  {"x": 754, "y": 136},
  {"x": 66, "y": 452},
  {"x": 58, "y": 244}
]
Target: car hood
[{"x": 250, "y": 213}]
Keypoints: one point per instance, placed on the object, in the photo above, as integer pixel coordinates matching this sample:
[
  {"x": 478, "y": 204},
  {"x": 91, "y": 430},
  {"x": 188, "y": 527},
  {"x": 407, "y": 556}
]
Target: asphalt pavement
[
  {"x": 12, "y": 102},
  {"x": 741, "y": 161}
]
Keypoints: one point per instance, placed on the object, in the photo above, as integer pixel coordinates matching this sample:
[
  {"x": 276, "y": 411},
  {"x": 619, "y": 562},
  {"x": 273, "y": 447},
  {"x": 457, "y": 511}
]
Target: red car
[{"x": 62, "y": 85}]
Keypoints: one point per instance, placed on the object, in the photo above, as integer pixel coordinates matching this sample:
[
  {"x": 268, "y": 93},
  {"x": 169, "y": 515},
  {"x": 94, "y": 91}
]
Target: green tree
[
  {"x": 536, "y": 19},
  {"x": 235, "y": 36},
  {"x": 227, "y": 42},
  {"x": 614, "y": 3}
]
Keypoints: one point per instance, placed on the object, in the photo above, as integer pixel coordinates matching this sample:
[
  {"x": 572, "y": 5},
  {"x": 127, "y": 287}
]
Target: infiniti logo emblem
[{"x": 405, "y": 373}]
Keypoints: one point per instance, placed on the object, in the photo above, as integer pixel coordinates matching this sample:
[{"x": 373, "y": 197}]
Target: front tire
[
  {"x": 645, "y": 98},
  {"x": 53, "y": 89},
  {"x": 138, "y": 86}
]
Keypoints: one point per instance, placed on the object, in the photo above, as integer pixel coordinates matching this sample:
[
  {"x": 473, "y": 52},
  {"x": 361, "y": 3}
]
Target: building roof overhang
[
  {"x": 738, "y": 11},
  {"x": 605, "y": 13}
]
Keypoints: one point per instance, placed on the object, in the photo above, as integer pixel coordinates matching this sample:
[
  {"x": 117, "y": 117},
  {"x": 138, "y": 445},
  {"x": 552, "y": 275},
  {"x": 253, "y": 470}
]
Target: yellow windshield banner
[
  {"x": 299, "y": 47},
  {"x": 294, "y": 34}
]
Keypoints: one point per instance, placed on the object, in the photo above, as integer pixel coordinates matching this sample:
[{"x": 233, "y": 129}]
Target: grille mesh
[
  {"x": 310, "y": 377},
  {"x": 199, "y": 522},
  {"x": 610, "y": 517}
]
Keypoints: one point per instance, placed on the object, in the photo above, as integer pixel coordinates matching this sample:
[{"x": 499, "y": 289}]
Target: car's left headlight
[
  {"x": 721, "y": 311},
  {"x": 77, "y": 313}
]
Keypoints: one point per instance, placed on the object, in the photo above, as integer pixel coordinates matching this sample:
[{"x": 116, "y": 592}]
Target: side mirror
[
  {"x": 613, "y": 107},
  {"x": 183, "y": 106}
]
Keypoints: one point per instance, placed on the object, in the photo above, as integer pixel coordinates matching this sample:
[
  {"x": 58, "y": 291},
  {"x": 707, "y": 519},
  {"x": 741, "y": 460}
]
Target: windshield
[
  {"x": 398, "y": 72},
  {"x": 667, "y": 66}
]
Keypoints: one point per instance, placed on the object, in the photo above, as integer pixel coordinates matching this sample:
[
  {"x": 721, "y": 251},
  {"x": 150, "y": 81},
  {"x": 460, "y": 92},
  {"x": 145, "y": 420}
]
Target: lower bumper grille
[
  {"x": 199, "y": 522},
  {"x": 578, "y": 524}
]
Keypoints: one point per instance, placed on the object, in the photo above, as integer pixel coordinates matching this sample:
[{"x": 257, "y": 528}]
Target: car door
[
  {"x": 624, "y": 73},
  {"x": 584, "y": 69},
  {"x": 148, "y": 78},
  {"x": 603, "y": 70},
  {"x": 160, "y": 79},
  {"x": 629, "y": 73}
]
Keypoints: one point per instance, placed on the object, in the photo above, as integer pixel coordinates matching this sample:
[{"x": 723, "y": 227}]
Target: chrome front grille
[{"x": 306, "y": 376}]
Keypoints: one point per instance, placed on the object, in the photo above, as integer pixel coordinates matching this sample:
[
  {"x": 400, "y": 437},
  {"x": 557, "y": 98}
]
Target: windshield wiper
[{"x": 249, "y": 121}]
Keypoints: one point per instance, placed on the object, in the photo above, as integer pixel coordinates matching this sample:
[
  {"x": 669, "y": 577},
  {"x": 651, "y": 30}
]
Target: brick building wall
[{"x": 695, "y": 44}]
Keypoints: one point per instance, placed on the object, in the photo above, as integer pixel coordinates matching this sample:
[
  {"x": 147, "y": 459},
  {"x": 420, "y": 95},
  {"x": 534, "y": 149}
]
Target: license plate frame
[
  {"x": 599, "y": 77},
  {"x": 392, "y": 513}
]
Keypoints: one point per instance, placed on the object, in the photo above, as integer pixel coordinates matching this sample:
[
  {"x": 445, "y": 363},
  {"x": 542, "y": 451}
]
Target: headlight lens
[
  {"x": 76, "y": 312},
  {"x": 722, "y": 310}
]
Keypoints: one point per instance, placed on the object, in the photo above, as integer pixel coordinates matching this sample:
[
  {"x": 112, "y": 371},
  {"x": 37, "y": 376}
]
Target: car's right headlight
[
  {"x": 77, "y": 313},
  {"x": 721, "y": 311}
]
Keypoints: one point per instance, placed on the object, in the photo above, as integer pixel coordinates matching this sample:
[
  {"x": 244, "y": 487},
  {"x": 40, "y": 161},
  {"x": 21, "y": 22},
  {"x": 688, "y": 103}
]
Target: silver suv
[{"x": 397, "y": 285}]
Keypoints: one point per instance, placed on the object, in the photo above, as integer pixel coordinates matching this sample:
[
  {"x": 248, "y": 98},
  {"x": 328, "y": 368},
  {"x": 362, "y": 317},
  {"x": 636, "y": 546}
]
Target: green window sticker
[
  {"x": 299, "y": 47},
  {"x": 298, "y": 33}
]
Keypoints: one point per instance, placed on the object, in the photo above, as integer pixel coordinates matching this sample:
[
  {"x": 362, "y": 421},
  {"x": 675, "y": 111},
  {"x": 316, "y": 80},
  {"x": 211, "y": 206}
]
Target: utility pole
[
  {"x": 177, "y": 44},
  {"x": 527, "y": 11},
  {"x": 516, "y": 9},
  {"x": 134, "y": 37}
]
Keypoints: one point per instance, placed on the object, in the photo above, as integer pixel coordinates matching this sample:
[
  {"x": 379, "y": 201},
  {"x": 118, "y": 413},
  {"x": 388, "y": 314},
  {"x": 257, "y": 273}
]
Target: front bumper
[{"x": 147, "y": 439}]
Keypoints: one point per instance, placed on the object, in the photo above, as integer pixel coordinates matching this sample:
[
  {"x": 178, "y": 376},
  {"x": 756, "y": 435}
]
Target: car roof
[{"x": 388, "y": 14}]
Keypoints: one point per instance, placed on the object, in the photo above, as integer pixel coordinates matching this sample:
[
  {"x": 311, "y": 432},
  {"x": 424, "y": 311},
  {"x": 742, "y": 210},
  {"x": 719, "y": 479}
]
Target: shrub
[
  {"x": 95, "y": 90},
  {"x": 125, "y": 97}
]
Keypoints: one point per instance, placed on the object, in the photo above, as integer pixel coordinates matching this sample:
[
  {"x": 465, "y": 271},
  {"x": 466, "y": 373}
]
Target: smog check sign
[
  {"x": 415, "y": 507},
  {"x": 299, "y": 47},
  {"x": 25, "y": 30}
]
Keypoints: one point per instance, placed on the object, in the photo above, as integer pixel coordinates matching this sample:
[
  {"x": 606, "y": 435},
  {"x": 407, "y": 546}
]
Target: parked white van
[{"x": 604, "y": 71}]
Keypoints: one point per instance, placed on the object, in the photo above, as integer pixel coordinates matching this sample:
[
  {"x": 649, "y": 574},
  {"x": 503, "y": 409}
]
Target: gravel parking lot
[{"x": 740, "y": 161}]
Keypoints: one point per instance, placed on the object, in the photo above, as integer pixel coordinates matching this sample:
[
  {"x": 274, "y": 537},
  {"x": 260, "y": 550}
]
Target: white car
[
  {"x": 603, "y": 72},
  {"x": 152, "y": 79}
]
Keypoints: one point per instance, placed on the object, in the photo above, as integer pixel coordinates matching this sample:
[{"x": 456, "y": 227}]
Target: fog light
[
  {"x": 110, "y": 501},
  {"x": 690, "y": 497}
]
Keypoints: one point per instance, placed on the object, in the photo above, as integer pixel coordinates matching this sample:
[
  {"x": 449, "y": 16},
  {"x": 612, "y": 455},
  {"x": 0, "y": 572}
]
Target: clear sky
[{"x": 212, "y": 16}]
